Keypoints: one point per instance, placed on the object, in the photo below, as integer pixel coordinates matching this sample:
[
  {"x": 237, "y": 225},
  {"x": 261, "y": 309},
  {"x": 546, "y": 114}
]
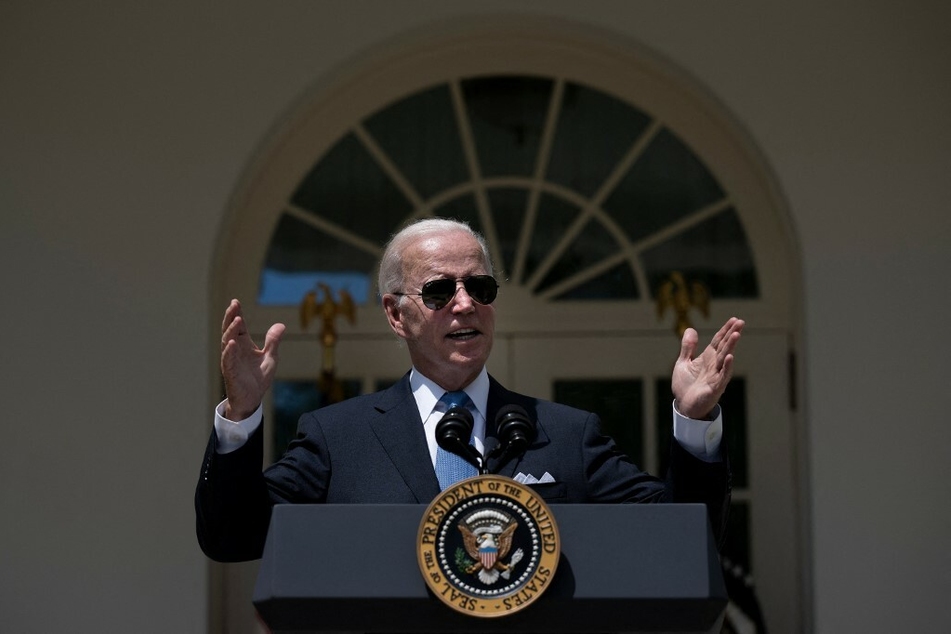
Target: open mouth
[{"x": 463, "y": 334}]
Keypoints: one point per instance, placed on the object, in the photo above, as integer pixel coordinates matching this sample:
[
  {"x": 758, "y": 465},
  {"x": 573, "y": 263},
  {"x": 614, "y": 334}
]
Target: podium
[{"x": 623, "y": 568}]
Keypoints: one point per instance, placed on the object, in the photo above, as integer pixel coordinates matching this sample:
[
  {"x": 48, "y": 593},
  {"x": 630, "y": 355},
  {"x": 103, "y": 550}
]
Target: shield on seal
[{"x": 488, "y": 553}]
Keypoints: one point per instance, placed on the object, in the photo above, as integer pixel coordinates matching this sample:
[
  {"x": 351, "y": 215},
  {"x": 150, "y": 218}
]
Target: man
[{"x": 437, "y": 290}]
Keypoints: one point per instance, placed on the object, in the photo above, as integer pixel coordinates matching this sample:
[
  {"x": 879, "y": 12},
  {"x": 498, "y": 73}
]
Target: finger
[
  {"x": 688, "y": 345},
  {"x": 726, "y": 373},
  {"x": 235, "y": 330},
  {"x": 229, "y": 354},
  {"x": 233, "y": 310},
  {"x": 273, "y": 339},
  {"x": 722, "y": 333},
  {"x": 728, "y": 345}
]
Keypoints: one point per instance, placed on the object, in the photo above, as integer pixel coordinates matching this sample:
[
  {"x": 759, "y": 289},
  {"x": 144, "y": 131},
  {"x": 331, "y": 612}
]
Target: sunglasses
[{"x": 437, "y": 293}]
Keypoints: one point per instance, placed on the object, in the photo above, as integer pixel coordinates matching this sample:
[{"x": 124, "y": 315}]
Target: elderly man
[{"x": 437, "y": 288}]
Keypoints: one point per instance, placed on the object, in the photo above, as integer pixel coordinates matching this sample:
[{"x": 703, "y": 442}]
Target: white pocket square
[{"x": 530, "y": 479}]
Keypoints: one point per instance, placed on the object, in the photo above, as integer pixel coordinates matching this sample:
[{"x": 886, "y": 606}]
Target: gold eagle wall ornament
[
  {"x": 677, "y": 294},
  {"x": 327, "y": 310}
]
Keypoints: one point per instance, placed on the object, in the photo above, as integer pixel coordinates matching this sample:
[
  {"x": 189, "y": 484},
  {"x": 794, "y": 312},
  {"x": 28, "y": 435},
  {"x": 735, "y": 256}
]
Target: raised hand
[
  {"x": 247, "y": 370},
  {"x": 699, "y": 382}
]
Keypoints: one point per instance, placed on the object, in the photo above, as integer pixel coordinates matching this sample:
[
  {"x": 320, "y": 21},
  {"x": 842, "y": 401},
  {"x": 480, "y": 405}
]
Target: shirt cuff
[
  {"x": 232, "y": 435},
  {"x": 701, "y": 438}
]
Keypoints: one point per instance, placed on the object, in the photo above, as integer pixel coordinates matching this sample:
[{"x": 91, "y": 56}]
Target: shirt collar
[{"x": 427, "y": 393}]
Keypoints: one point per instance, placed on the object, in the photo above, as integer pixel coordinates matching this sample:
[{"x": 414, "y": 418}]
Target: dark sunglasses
[{"x": 437, "y": 293}]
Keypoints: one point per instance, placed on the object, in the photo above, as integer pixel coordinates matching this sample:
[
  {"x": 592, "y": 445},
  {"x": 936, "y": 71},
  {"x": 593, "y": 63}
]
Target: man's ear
[{"x": 394, "y": 315}]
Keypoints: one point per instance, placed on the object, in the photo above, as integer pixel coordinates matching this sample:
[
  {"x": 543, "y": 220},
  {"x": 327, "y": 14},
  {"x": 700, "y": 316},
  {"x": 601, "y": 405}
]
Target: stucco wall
[{"x": 123, "y": 132}]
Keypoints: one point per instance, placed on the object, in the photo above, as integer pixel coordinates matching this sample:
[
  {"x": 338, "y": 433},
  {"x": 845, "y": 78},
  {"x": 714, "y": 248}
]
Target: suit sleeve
[
  {"x": 612, "y": 477},
  {"x": 232, "y": 505},
  {"x": 233, "y": 499},
  {"x": 692, "y": 480}
]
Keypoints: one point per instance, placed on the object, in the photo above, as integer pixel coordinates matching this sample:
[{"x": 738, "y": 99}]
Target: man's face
[{"x": 452, "y": 344}]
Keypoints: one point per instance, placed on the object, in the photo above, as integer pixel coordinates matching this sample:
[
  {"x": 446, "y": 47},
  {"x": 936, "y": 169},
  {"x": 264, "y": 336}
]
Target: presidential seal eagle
[{"x": 487, "y": 536}]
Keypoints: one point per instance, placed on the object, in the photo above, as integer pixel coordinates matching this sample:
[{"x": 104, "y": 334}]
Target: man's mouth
[{"x": 463, "y": 334}]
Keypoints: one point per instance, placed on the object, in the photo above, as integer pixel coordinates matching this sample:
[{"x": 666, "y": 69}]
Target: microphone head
[
  {"x": 515, "y": 429},
  {"x": 454, "y": 429}
]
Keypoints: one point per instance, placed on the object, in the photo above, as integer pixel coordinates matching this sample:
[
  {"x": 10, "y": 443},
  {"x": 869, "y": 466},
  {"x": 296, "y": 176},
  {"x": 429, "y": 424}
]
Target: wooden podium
[{"x": 623, "y": 568}]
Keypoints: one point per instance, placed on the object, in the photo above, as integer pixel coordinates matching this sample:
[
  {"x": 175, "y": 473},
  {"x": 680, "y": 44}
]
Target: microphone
[
  {"x": 453, "y": 432},
  {"x": 490, "y": 447},
  {"x": 516, "y": 431}
]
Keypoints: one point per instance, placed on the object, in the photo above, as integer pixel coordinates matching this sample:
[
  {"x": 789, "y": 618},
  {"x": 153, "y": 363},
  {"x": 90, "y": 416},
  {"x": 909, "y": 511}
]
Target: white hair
[{"x": 391, "y": 278}]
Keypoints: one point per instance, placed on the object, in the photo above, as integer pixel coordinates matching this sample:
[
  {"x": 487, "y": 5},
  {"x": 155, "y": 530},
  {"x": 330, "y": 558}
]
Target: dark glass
[
  {"x": 591, "y": 246},
  {"x": 300, "y": 256},
  {"x": 594, "y": 132},
  {"x": 420, "y": 135},
  {"x": 508, "y": 213},
  {"x": 616, "y": 283},
  {"x": 618, "y": 402},
  {"x": 554, "y": 215},
  {"x": 507, "y": 117},
  {"x": 294, "y": 398},
  {"x": 715, "y": 252},
  {"x": 737, "y": 545},
  {"x": 667, "y": 183},
  {"x": 462, "y": 208},
  {"x": 437, "y": 293},
  {"x": 349, "y": 188}
]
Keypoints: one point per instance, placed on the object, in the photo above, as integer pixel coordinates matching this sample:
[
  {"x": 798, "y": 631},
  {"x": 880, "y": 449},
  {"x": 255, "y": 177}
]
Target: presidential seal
[{"x": 488, "y": 546}]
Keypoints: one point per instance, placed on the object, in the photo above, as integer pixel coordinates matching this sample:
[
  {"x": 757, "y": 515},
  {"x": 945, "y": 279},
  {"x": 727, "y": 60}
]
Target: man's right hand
[{"x": 247, "y": 370}]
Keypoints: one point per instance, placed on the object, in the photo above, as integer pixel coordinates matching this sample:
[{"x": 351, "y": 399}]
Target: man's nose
[{"x": 461, "y": 301}]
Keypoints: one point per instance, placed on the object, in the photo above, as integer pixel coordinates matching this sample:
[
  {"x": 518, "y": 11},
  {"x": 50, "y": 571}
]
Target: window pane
[
  {"x": 715, "y": 252},
  {"x": 293, "y": 398},
  {"x": 737, "y": 543},
  {"x": 616, "y": 283},
  {"x": 619, "y": 403},
  {"x": 593, "y": 245},
  {"x": 507, "y": 115},
  {"x": 554, "y": 215},
  {"x": 666, "y": 183},
  {"x": 594, "y": 132},
  {"x": 421, "y": 137},
  {"x": 349, "y": 188},
  {"x": 300, "y": 256},
  {"x": 461, "y": 208},
  {"x": 508, "y": 213}
]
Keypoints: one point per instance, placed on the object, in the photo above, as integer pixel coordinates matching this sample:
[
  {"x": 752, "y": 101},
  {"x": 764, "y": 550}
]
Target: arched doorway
[{"x": 595, "y": 172}]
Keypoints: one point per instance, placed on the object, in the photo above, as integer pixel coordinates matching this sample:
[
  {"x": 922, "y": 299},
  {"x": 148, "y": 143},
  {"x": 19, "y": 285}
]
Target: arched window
[{"x": 582, "y": 196}]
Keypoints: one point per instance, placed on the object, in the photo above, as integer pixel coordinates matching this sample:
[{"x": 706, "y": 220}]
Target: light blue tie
[{"x": 450, "y": 467}]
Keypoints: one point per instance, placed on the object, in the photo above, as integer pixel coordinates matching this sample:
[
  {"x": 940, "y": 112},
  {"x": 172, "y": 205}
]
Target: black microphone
[
  {"x": 453, "y": 432},
  {"x": 489, "y": 447},
  {"x": 516, "y": 431}
]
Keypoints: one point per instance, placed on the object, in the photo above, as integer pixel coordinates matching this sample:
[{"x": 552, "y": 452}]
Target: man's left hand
[{"x": 699, "y": 382}]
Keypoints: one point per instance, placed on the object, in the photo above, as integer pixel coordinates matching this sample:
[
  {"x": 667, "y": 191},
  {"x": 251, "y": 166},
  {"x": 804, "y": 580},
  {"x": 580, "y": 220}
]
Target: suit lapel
[{"x": 400, "y": 431}]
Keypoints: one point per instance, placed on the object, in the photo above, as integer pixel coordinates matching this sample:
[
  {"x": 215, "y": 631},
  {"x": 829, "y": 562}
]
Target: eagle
[
  {"x": 675, "y": 293},
  {"x": 488, "y": 548}
]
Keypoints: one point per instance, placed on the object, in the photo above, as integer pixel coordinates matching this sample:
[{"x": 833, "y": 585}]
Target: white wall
[{"x": 123, "y": 132}]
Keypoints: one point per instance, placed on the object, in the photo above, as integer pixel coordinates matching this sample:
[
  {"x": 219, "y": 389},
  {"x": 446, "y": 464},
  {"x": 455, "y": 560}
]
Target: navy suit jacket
[{"x": 372, "y": 449}]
